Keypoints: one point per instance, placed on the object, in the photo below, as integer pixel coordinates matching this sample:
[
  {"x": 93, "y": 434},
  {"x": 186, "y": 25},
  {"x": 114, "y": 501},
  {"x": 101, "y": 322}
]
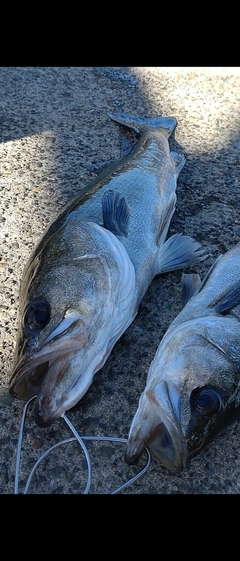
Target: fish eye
[
  {"x": 37, "y": 315},
  {"x": 207, "y": 402}
]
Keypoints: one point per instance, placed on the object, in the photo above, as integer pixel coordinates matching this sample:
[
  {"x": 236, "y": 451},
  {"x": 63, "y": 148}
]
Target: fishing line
[{"x": 80, "y": 440}]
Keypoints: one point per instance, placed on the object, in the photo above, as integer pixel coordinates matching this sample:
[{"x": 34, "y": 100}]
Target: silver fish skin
[
  {"x": 192, "y": 390},
  {"x": 83, "y": 284}
]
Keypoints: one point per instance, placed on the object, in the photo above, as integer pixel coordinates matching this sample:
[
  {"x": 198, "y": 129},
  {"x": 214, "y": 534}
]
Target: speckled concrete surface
[{"x": 53, "y": 125}]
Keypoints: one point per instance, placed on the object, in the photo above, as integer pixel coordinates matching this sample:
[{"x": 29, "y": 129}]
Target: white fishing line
[{"x": 80, "y": 440}]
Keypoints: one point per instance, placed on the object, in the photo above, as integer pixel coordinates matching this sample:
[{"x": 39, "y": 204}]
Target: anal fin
[{"x": 179, "y": 252}]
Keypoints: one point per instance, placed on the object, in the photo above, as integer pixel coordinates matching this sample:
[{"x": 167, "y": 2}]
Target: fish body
[
  {"x": 193, "y": 385},
  {"x": 83, "y": 283}
]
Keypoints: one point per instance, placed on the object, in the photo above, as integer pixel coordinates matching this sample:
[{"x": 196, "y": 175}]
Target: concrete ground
[{"x": 53, "y": 127}]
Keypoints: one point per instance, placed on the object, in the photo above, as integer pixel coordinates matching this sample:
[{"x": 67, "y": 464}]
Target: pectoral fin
[
  {"x": 228, "y": 300},
  {"x": 115, "y": 212}
]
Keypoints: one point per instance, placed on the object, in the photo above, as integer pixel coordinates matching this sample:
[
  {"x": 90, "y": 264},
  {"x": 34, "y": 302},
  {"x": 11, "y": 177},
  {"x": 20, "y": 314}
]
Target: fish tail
[{"x": 137, "y": 124}]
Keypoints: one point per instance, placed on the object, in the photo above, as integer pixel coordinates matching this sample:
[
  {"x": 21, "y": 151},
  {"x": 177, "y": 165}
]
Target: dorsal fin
[{"x": 115, "y": 212}]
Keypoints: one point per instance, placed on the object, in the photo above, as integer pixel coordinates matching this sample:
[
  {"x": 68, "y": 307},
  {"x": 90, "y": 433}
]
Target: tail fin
[{"x": 137, "y": 124}]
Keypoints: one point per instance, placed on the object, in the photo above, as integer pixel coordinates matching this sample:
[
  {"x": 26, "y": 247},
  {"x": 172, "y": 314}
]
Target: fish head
[
  {"x": 68, "y": 308},
  {"x": 192, "y": 392}
]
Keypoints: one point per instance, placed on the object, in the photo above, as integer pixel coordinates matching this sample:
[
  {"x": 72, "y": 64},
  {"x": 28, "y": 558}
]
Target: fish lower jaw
[
  {"x": 49, "y": 408},
  {"x": 133, "y": 455},
  {"x": 48, "y": 411},
  {"x": 54, "y": 400},
  {"x": 45, "y": 421},
  {"x": 56, "y": 395}
]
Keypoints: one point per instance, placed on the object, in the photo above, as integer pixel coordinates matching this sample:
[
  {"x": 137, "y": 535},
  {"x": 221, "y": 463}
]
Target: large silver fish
[
  {"x": 84, "y": 282},
  {"x": 193, "y": 385}
]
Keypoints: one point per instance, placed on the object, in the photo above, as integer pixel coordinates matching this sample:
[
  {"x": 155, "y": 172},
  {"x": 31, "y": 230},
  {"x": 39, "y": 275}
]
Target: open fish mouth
[
  {"x": 161, "y": 444},
  {"x": 156, "y": 425},
  {"x": 40, "y": 381},
  {"x": 46, "y": 366}
]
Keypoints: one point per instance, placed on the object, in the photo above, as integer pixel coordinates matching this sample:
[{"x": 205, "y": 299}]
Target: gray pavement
[{"x": 53, "y": 126}]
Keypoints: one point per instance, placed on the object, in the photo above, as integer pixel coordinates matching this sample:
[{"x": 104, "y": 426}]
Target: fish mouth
[
  {"x": 161, "y": 444},
  {"x": 156, "y": 425},
  {"x": 38, "y": 373}
]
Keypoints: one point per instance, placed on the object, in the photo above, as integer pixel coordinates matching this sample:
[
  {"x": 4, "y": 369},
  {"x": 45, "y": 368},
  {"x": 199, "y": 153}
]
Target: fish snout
[{"x": 156, "y": 425}]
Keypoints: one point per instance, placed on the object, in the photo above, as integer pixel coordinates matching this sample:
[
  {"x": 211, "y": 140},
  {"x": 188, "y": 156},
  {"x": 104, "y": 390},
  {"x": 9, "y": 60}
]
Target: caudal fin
[{"x": 137, "y": 124}]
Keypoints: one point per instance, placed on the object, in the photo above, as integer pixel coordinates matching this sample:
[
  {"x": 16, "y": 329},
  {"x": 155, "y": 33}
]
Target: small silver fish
[
  {"x": 84, "y": 282},
  {"x": 193, "y": 384}
]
